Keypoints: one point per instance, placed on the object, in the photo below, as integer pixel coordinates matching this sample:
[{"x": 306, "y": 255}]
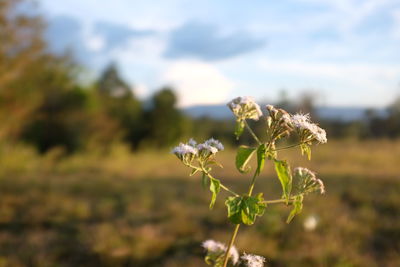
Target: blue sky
[{"x": 345, "y": 51}]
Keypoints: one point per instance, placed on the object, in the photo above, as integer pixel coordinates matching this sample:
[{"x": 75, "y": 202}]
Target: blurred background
[{"x": 94, "y": 94}]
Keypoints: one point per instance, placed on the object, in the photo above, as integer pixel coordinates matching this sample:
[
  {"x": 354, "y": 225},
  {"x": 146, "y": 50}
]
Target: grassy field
[{"x": 143, "y": 210}]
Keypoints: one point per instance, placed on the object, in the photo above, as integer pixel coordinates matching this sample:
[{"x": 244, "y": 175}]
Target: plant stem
[
  {"x": 287, "y": 147},
  {"x": 228, "y": 190},
  {"x": 252, "y": 133},
  {"x": 231, "y": 244},
  {"x": 211, "y": 177},
  {"x": 253, "y": 181},
  {"x": 276, "y": 201}
]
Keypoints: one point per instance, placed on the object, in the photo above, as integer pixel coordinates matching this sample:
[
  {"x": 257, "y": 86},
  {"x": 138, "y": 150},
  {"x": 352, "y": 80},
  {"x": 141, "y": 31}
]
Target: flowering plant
[{"x": 245, "y": 208}]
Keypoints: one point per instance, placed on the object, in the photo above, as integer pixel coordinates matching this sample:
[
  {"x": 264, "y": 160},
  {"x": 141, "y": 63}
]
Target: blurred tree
[
  {"x": 120, "y": 103},
  {"x": 164, "y": 123},
  {"x": 40, "y": 100},
  {"x": 22, "y": 53},
  {"x": 306, "y": 103}
]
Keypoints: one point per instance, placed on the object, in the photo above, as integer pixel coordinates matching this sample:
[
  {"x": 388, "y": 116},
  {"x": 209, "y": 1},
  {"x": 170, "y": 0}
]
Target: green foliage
[
  {"x": 239, "y": 128},
  {"x": 243, "y": 157},
  {"x": 297, "y": 207},
  {"x": 245, "y": 209},
  {"x": 283, "y": 171},
  {"x": 261, "y": 155},
  {"x": 164, "y": 124},
  {"x": 215, "y": 259},
  {"x": 215, "y": 188}
]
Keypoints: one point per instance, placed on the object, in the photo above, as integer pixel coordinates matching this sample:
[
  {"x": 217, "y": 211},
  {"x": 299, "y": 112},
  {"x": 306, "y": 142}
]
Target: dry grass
[{"x": 143, "y": 210}]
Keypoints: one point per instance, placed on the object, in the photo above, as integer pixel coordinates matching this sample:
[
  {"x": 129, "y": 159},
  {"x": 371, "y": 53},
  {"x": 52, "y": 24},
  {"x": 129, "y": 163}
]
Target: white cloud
[
  {"x": 396, "y": 24},
  {"x": 141, "y": 90},
  {"x": 95, "y": 43},
  {"x": 197, "y": 83}
]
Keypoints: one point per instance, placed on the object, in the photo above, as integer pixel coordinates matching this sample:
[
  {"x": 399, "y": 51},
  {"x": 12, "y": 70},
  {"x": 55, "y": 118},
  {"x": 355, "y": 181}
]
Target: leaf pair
[
  {"x": 245, "y": 154},
  {"x": 245, "y": 209}
]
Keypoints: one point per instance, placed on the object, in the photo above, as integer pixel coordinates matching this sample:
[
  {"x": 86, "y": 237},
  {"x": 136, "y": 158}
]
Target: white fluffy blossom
[
  {"x": 213, "y": 246},
  {"x": 244, "y": 107},
  {"x": 184, "y": 149},
  {"x": 192, "y": 142},
  {"x": 215, "y": 143},
  {"x": 234, "y": 255},
  {"x": 253, "y": 260},
  {"x": 303, "y": 122},
  {"x": 210, "y": 146}
]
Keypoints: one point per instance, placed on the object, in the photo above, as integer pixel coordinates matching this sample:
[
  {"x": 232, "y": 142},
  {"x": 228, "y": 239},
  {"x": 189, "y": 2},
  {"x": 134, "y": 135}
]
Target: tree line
[{"x": 43, "y": 102}]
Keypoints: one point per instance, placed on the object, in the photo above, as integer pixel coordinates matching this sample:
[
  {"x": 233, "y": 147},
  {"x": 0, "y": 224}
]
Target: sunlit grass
[{"x": 120, "y": 210}]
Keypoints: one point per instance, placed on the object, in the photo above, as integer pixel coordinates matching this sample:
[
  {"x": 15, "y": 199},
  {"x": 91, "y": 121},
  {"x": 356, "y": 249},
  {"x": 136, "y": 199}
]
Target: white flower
[
  {"x": 184, "y": 149},
  {"x": 213, "y": 246},
  {"x": 234, "y": 255},
  {"x": 321, "y": 186},
  {"x": 207, "y": 148},
  {"x": 305, "y": 172},
  {"x": 318, "y": 133},
  {"x": 302, "y": 122},
  {"x": 215, "y": 143},
  {"x": 192, "y": 142},
  {"x": 253, "y": 260},
  {"x": 244, "y": 107},
  {"x": 210, "y": 146}
]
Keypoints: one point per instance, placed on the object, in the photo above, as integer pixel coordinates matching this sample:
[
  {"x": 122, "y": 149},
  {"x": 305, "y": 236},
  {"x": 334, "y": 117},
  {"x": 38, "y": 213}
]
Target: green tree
[
  {"x": 40, "y": 100},
  {"x": 120, "y": 103},
  {"x": 22, "y": 54},
  {"x": 165, "y": 123}
]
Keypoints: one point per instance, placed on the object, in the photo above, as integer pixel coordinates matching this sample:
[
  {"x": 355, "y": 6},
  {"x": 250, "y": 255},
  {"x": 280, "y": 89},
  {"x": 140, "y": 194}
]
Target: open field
[{"x": 143, "y": 210}]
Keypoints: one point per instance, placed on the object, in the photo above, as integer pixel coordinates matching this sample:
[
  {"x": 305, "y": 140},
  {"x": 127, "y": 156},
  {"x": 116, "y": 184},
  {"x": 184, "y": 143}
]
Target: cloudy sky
[{"x": 346, "y": 51}]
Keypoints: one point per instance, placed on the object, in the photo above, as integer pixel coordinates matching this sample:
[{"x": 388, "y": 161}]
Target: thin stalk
[
  {"x": 275, "y": 201},
  {"x": 252, "y": 133},
  {"x": 287, "y": 147},
  {"x": 231, "y": 244},
  {"x": 253, "y": 181},
  {"x": 211, "y": 177}
]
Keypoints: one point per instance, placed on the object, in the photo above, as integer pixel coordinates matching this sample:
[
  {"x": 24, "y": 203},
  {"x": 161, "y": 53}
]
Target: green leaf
[
  {"x": 297, "y": 207},
  {"x": 215, "y": 187},
  {"x": 282, "y": 169},
  {"x": 204, "y": 180},
  {"x": 261, "y": 154},
  {"x": 245, "y": 209},
  {"x": 243, "y": 157},
  {"x": 239, "y": 128},
  {"x": 306, "y": 150}
]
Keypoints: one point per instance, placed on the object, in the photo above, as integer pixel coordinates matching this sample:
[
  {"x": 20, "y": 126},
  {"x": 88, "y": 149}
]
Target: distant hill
[{"x": 329, "y": 113}]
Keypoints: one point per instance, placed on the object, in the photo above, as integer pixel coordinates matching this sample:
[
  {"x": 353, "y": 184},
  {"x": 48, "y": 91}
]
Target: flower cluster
[
  {"x": 308, "y": 182},
  {"x": 253, "y": 260},
  {"x": 190, "y": 150},
  {"x": 309, "y": 131},
  {"x": 244, "y": 107},
  {"x": 278, "y": 123},
  {"x": 216, "y": 251}
]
